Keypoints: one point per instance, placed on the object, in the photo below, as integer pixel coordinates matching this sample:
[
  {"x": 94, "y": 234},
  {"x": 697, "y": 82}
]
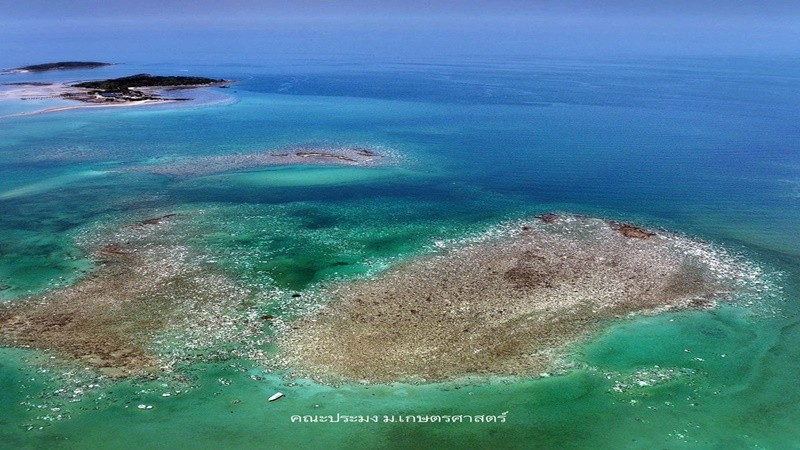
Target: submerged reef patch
[
  {"x": 508, "y": 303},
  {"x": 211, "y": 164},
  {"x": 115, "y": 319}
]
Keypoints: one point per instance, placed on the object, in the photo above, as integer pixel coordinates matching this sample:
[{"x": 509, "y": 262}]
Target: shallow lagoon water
[
  {"x": 305, "y": 176},
  {"x": 662, "y": 144}
]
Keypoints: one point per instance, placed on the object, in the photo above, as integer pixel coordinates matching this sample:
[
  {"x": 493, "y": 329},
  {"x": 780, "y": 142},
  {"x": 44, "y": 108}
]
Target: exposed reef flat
[
  {"x": 115, "y": 319},
  {"x": 506, "y": 304},
  {"x": 207, "y": 165},
  {"x": 62, "y": 65}
]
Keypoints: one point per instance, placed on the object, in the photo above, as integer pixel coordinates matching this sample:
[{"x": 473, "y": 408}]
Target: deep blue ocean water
[{"x": 705, "y": 147}]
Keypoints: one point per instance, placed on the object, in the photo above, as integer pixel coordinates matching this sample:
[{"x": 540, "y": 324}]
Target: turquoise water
[{"x": 709, "y": 148}]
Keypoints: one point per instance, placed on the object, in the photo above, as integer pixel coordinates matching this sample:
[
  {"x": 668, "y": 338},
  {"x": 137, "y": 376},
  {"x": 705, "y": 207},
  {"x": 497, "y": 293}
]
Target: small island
[
  {"x": 132, "y": 90},
  {"x": 135, "y": 88},
  {"x": 146, "y": 80},
  {"x": 62, "y": 65}
]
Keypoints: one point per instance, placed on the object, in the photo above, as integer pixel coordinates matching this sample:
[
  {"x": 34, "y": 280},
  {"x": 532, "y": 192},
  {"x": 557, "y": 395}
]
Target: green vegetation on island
[
  {"x": 145, "y": 80},
  {"x": 62, "y": 65},
  {"x": 135, "y": 88}
]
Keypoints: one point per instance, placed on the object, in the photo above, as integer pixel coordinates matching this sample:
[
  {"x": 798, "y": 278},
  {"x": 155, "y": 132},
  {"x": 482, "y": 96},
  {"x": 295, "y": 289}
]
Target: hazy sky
[
  {"x": 402, "y": 28},
  {"x": 327, "y": 8}
]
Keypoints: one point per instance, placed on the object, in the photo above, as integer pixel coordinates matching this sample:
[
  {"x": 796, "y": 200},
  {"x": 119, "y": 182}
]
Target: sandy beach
[
  {"x": 33, "y": 90},
  {"x": 67, "y": 108},
  {"x": 60, "y": 91}
]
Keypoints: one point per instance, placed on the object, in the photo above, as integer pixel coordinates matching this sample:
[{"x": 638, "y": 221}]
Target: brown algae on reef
[
  {"x": 146, "y": 285},
  {"x": 506, "y": 304}
]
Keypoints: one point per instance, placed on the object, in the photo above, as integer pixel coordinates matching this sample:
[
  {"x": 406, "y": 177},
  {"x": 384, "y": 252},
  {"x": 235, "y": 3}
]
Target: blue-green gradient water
[{"x": 705, "y": 147}]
